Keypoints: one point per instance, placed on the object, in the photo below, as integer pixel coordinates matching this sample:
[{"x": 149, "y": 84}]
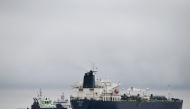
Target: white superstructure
[
  {"x": 102, "y": 90},
  {"x": 64, "y": 102},
  {"x": 45, "y": 102}
]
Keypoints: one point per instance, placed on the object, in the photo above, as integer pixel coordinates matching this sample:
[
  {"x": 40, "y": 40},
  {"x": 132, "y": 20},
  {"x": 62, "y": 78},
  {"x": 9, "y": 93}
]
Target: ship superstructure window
[
  {"x": 80, "y": 89},
  {"x": 91, "y": 89}
]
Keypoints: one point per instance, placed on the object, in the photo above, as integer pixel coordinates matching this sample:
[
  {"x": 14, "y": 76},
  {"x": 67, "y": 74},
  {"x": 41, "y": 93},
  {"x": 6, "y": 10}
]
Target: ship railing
[
  {"x": 102, "y": 98},
  {"x": 110, "y": 97},
  {"x": 80, "y": 98},
  {"x": 129, "y": 100}
]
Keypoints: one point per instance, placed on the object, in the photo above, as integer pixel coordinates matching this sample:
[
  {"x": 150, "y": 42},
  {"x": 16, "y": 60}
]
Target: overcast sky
[{"x": 140, "y": 43}]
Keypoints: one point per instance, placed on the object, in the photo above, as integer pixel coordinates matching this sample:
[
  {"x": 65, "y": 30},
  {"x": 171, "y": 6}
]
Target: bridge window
[
  {"x": 91, "y": 89},
  {"x": 80, "y": 89}
]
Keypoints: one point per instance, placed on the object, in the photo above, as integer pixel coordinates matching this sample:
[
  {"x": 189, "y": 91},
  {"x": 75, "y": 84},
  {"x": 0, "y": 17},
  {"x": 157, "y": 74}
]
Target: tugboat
[
  {"x": 103, "y": 94},
  {"x": 46, "y": 103}
]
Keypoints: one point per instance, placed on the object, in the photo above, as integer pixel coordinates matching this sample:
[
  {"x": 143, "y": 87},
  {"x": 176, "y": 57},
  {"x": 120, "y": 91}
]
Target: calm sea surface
[{"x": 23, "y": 98}]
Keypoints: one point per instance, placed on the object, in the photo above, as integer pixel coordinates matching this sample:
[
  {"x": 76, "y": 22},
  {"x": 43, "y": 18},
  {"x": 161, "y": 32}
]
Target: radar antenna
[{"x": 94, "y": 68}]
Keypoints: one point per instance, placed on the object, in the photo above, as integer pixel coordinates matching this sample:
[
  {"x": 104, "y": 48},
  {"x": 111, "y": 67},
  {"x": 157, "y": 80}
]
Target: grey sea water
[{"x": 23, "y": 98}]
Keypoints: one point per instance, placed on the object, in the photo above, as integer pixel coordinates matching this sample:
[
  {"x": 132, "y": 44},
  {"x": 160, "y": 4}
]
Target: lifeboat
[{"x": 116, "y": 91}]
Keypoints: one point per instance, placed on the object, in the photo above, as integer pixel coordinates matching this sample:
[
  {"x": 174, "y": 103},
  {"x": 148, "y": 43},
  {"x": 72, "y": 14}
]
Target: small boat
[{"x": 46, "y": 103}]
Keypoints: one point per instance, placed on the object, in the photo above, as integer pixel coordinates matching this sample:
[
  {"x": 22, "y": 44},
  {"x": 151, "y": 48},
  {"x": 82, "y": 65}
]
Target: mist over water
[
  {"x": 52, "y": 44},
  {"x": 23, "y": 98}
]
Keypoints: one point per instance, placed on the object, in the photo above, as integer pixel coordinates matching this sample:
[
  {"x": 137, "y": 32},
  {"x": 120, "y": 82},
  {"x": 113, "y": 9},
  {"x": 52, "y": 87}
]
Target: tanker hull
[{"x": 94, "y": 104}]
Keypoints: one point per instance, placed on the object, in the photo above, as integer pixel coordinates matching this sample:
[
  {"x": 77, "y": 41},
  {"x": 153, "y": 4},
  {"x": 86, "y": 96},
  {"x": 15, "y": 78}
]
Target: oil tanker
[{"x": 103, "y": 94}]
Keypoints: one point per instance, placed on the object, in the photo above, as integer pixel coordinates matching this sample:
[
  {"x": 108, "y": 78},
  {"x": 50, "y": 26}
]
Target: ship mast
[
  {"x": 169, "y": 98},
  {"x": 40, "y": 96},
  {"x": 106, "y": 84},
  {"x": 40, "y": 92}
]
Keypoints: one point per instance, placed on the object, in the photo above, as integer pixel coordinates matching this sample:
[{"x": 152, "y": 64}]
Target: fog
[{"x": 51, "y": 44}]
